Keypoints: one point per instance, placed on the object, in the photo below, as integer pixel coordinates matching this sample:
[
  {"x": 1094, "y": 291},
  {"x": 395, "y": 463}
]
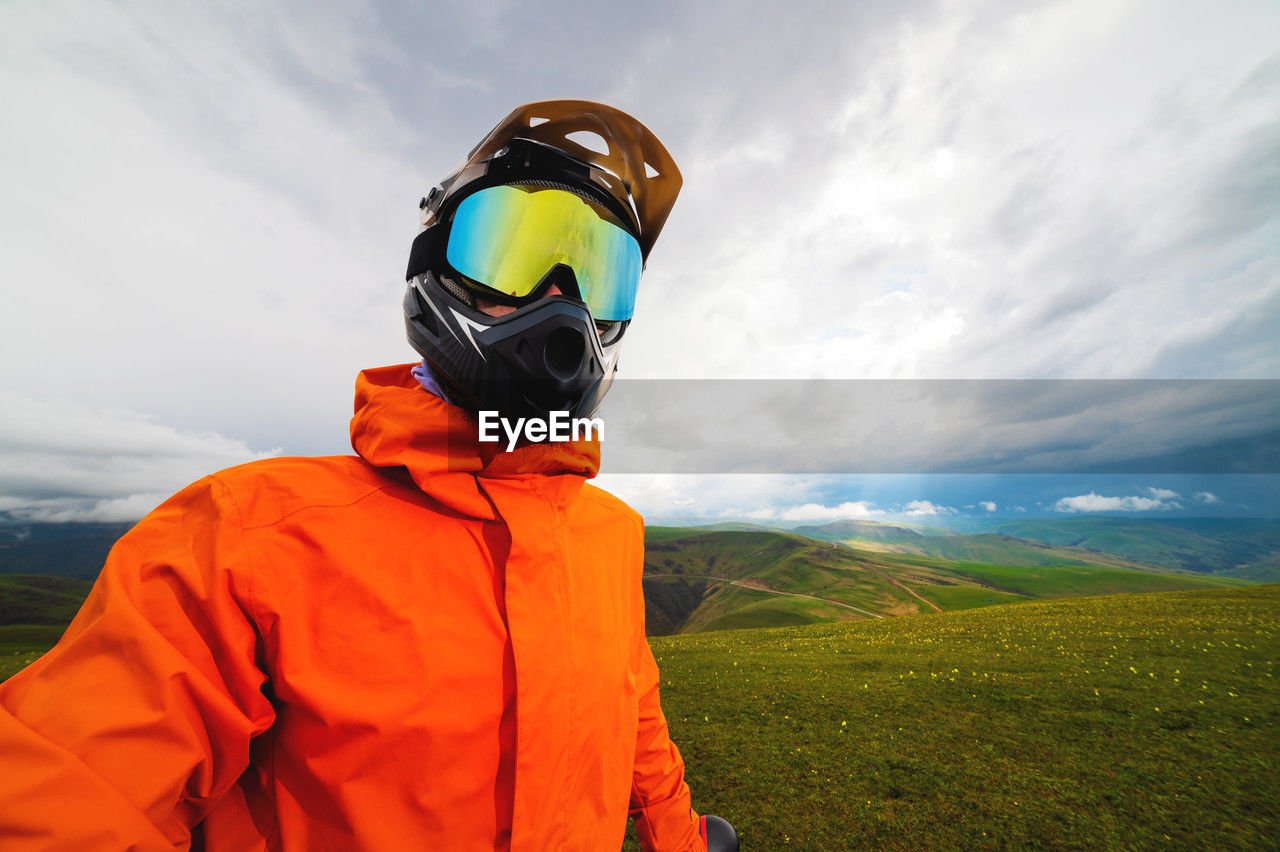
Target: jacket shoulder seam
[
  {"x": 319, "y": 505},
  {"x": 230, "y": 498}
]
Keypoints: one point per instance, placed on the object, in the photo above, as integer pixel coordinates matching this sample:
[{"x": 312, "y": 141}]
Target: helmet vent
[
  {"x": 428, "y": 319},
  {"x": 590, "y": 140},
  {"x": 458, "y": 291},
  {"x": 535, "y": 121}
]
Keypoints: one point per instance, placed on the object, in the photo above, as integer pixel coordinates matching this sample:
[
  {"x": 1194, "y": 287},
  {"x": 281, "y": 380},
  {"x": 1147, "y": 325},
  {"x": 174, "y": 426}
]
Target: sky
[{"x": 207, "y": 209}]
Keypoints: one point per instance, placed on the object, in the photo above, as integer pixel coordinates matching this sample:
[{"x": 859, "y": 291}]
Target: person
[{"x": 437, "y": 643}]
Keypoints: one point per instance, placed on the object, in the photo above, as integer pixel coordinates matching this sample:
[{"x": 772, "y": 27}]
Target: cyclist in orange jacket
[{"x": 437, "y": 643}]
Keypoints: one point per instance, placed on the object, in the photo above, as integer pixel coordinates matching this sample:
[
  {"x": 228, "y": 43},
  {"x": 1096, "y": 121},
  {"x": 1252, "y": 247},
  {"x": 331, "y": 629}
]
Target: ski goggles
[{"x": 507, "y": 238}]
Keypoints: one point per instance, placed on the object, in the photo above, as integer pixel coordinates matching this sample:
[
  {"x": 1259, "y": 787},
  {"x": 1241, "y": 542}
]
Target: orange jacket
[{"x": 435, "y": 646}]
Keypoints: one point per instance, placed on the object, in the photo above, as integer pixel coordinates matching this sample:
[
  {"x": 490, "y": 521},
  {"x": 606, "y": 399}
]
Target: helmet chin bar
[
  {"x": 554, "y": 362},
  {"x": 541, "y": 358}
]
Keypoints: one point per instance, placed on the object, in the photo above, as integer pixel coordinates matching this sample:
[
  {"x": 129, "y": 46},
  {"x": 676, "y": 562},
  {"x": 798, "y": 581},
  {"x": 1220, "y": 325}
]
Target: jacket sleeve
[
  {"x": 125, "y": 733},
  {"x": 660, "y": 798}
]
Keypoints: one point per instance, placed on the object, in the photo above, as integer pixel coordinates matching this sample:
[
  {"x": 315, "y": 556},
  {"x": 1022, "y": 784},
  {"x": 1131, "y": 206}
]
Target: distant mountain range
[
  {"x": 57, "y": 549},
  {"x": 742, "y": 575},
  {"x": 1240, "y": 547}
]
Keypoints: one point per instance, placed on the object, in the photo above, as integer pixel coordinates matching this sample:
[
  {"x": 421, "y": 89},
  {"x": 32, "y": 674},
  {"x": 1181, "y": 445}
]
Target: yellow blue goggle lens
[{"x": 508, "y": 237}]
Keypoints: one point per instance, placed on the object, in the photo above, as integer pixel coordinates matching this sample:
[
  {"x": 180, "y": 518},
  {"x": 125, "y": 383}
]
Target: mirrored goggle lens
[{"x": 508, "y": 237}]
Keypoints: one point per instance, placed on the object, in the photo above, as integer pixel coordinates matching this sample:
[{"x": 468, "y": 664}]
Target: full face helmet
[{"x": 531, "y": 209}]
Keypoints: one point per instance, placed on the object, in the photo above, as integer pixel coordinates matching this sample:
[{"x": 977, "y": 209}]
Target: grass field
[
  {"x": 1056, "y": 581},
  {"x": 29, "y": 599},
  {"x": 1127, "y": 721},
  {"x": 21, "y": 644},
  {"x": 966, "y": 597},
  {"x": 34, "y": 612}
]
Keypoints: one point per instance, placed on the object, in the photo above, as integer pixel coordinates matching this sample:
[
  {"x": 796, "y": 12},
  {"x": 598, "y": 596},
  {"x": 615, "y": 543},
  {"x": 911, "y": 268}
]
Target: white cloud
[
  {"x": 115, "y": 510},
  {"x": 222, "y": 249},
  {"x": 925, "y": 507},
  {"x": 667, "y": 496},
  {"x": 62, "y": 460},
  {"x": 1093, "y": 502},
  {"x": 814, "y": 512},
  {"x": 1162, "y": 493},
  {"x": 989, "y": 505},
  {"x": 763, "y": 498},
  {"x": 989, "y": 202},
  {"x": 1207, "y": 497}
]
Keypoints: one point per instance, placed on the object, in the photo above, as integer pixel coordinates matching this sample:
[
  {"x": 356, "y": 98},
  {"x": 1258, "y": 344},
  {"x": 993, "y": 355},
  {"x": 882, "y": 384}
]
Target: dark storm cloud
[{"x": 931, "y": 427}]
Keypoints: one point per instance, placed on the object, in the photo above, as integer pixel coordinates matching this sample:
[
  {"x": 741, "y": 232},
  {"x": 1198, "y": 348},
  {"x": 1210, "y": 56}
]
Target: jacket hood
[{"x": 398, "y": 424}]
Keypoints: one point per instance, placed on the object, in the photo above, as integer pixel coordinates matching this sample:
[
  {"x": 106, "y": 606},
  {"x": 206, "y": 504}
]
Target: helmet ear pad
[{"x": 543, "y": 357}]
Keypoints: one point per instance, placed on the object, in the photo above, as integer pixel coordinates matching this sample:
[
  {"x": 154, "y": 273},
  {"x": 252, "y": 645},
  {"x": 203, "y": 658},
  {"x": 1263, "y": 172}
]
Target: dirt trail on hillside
[
  {"x": 911, "y": 592},
  {"x": 799, "y": 595},
  {"x": 761, "y": 588},
  {"x": 896, "y": 582}
]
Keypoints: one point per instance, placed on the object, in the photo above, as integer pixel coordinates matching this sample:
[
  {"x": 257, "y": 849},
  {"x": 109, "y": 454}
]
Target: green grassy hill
[
  {"x": 21, "y": 644},
  {"x": 1226, "y": 546},
  {"x": 1263, "y": 571},
  {"x": 40, "y": 600},
  {"x": 998, "y": 548},
  {"x": 1127, "y": 721},
  {"x": 34, "y": 611},
  {"x": 700, "y": 579}
]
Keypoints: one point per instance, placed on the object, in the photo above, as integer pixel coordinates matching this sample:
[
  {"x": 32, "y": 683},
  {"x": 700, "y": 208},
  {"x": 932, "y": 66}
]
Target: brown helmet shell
[{"x": 636, "y": 170}]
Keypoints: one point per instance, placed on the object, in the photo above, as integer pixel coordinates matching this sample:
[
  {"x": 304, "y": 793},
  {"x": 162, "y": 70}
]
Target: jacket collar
[{"x": 398, "y": 424}]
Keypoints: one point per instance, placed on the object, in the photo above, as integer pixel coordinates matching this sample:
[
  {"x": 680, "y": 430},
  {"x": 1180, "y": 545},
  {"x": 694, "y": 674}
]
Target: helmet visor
[{"x": 508, "y": 238}]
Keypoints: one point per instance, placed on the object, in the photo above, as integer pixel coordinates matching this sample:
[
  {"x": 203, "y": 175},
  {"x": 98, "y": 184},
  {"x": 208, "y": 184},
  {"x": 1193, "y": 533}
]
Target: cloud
[
  {"x": 925, "y": 507},
  {"x": 783, "y": 499},
  {"x": 816, "y": 512},
  {"x": 60, "y": 510},
  {"x": 63, "y": 460},
  {"x": 966, "y": 219},
  {"x": 871, "y": 190},
  {"x": 1207, "y": 497},
  {"x": 1093, "y": 502},
  {"x": 678, "y": 496},
  {"x": 763, "y": 498},
  {"x": 227, "y": 233},
  {"x": 1162, "y": 493},
  {"x": 914, "y": 426}
]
